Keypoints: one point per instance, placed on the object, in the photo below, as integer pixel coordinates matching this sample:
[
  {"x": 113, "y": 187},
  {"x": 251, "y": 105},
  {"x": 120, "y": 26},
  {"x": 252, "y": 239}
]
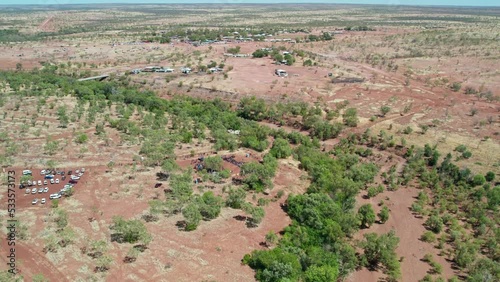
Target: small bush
[
  {"x": 467, "y": 154},
  {"x": 385, "y": 110},
  {"x": 81, "y": 138},
  {"x": 456, "y": 86},
  {"x": 408, "y": 130},
  {"x": 461, "y": 148},
  {"x": 428, "y": 237}
]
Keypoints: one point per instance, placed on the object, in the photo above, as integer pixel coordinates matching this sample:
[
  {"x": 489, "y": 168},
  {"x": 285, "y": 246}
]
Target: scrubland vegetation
[{"x": 218, "y": 156}]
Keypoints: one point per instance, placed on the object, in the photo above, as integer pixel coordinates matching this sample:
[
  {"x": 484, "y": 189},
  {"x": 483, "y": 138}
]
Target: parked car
[
  {"x": 69, "y": 172},
  {"x": 40, "y": 190},
  {"x": 43, "y": 201},
  {"x": 21, "y": 186},
  {"x": 63, "y": 177},
  {"x": 52, "y": 181},
  {"x": 46, "y": 189},
  {"x": 55, "y": 196},
  {"x": 62, "y": 172},
  {"x": 39, "y": 182},
  {"x": 49, "y": 176},
  {"x": 74, "y": 177},
  {"x": 82, "y": 169},
  {"x": 34, "y": 201},
  {"x": 29, "y": 183},
  {"x": 58, "y": 172},
  {"x": 57, "y": 180},
  {"x": 33, "y": 191},
  {"x": 73, "y": 181},
  {"x": 43, "y": 171},
  {"x": 77, "y": 171},
  {"x": 28, "y": 190},
  {"x": 68, "y": 185},
  {"x": 45, "y": 182},
  {"x": 27, "y": 172}
]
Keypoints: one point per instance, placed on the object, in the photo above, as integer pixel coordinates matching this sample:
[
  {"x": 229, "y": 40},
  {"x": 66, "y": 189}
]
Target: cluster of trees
[
  {"x": 205, "y": 34},
  {"x": 276, "y": 55},
  {"x": 380, "y": 251},
  {"x": 461, "y": 200},
  {"x": 129, "y": 231},
  {"x": 359, "y": 28},
  {"x": 324, "y": 36},
  {"x": 206, "y": 207},
  {"x": 312, "y": 119},
  {"x": 258, "y": 176},
  {"x": 13, "y": 35},
  {"x": 182, "y": 199},
  {"x": 316, "y": 246}
]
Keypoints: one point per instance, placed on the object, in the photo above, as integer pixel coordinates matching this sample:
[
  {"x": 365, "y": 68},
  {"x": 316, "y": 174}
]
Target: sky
[{"x": 385, "y": 2}]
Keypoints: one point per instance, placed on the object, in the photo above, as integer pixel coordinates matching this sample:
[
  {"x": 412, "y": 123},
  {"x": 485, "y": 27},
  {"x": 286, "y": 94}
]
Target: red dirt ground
[{"x": 409, "y": 229}]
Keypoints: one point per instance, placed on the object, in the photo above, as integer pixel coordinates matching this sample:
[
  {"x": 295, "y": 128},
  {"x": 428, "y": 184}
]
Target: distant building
[
  {"x": 151, "y": 69},
  {"x": 186, "y": 70}
]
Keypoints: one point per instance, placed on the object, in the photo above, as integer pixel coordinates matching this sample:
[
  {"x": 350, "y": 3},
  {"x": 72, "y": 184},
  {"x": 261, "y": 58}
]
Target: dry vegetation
[{"x": 370, "y": 115}]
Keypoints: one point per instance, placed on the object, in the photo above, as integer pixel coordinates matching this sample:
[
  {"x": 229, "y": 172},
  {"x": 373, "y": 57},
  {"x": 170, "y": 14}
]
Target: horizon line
[
  {"x": 276, "y": 2},
  {"x": 257, "y": 3}
]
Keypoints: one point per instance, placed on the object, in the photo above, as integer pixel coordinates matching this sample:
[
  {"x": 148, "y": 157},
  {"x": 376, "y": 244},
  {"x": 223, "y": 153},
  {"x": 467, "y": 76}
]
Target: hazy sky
[{"x": 386, "y": 2}]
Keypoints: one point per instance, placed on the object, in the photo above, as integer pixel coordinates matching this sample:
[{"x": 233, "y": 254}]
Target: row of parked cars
[
  {"x": 50, "y": 172},
  {"x": 35, "y": 190},
  {"x": 30, "y": 183}
]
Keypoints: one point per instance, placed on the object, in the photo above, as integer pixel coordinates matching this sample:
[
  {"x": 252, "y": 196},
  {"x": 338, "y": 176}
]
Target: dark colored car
[{"x": 69, "y": 172}]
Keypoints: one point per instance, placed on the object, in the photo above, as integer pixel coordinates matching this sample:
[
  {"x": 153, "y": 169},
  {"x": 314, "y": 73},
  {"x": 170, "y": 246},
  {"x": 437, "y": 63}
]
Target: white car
[
  {"x": 28, "y": 190},
  {"x": 52, "y": 181},
  {"x": 57, "y": 180},
  {"x": 77, "y": 171},
  {"x": 74, "y": 177},
  {"x": 46, "y": 190},
  {"x": 68, "y": 185},
  {"x": 82, "y": 169},
  {"x": 33, "y": 191},
  {"x": 43, "y": 201},
  {"x": 40, "y": 190},
  {"x": 43, "y": 172},
  {"x": 27, "y": 172},
  {"x": 34, "y": 201},
  {"x": 39, "y": 182},
  {"x": 29, "y": 183},
  {"x": 45, "y": 182},
  {"x": 80, "y": 174}
]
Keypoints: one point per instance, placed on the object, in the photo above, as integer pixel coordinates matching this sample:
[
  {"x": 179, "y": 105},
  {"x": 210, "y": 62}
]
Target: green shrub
[
  {"x": 461, "y": 148},
  {"x": 428, "y": 237}
]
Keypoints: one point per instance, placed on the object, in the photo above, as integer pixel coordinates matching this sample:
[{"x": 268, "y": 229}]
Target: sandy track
[{"x": 32, "y": 262}]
